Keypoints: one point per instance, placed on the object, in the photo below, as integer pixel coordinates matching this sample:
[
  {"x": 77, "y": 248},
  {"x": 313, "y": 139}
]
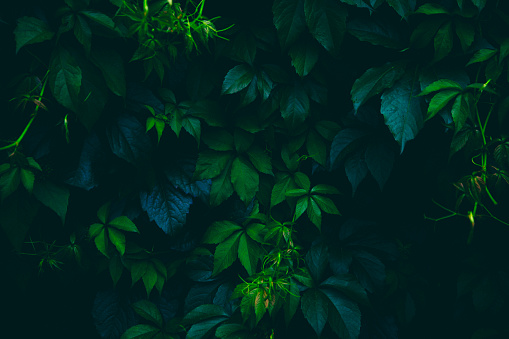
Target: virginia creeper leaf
[
  {"x": 375, "y": 80},
  {"x": 245, "y": 179},
  {"x": 326, "y": 20},
  {"x": 53, "y": 196},
  {"x": 289, "y": 20},
  {"x": 226, "y": 253},
  {"x": 402, "y": 110},
  {"x": 314, "y": 305},
  {"x": 237, "y": 78},
  {"x": 31, "y": 30}
]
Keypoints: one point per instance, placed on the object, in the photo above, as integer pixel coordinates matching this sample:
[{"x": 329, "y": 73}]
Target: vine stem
[{"x": 16, "y": 143}]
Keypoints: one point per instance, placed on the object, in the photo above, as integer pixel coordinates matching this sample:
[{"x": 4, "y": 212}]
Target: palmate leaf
[
  {"x": 53, "y": 196},
  {"x": 222, "y": 187},
  {"x": 315, "y": 306},
  {"x": 244, "y": 178},
  {"x": 304, "y": 56},
  {"x": 402, "y": 110},
  {"x": 439, "y": 101},
  {"x": 148, "y": 311},
  {"x": 344, "y": 141},
  {"x": 65, "y": 78},
  {"x": 128, "y": 140},
  {"x": 374, "y": 81},
  {"x": 226, "y": 253},
  {"x": 356, "y": 170},
  {"x": 31, "y": 30},
  {"x": 141, "y": 331},
  {"x": 379, "y": 159},
  {"x": 443, "y": 41},
  {"x": 403, "y": 7},
  {"x": 376, "y": 33},
  {"x": 294, "y": 104},
  {"x": 289, "y": 20},
  {"x": 112, "y": 314},
  {"x": 326, "y": 20},
  {"x": 344, "y": 315},
  {"x": 238, "y": 78},
  {"x": 166, "y": 205},
  {"x": 111, "y": 65}
]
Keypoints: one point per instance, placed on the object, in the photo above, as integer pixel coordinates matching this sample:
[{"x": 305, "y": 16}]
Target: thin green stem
[{"x": 16, "y": 143}]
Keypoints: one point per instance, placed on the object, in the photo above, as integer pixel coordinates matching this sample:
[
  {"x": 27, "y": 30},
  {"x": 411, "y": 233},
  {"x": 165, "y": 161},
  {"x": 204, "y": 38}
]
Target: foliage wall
[{"x": 273, "y": 169}]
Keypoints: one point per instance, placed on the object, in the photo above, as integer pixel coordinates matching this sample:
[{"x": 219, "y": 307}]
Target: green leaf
[
  {"x": 283, "y": 184},
  {"x": 123, "y": 223},
  {"x": 425, "y": 31},
  {"x": 441, "y": 85},
  {"x": 160, "y": 125},
  {"x": 324, "y": 189},
  {"x": 374, "y": 81},
  {"x": 317, "y": 261},
  {"x": 460, "y": 111},
  {"x": 443, "y": 41},
  {"x": 219, "y": 231},
  {"x": 237, "y": 78},
  {"x": 83, "y": 33},
  {"x": 301, "y": 207},
  {"x": 465, "y": 32},
  {"x": 316, "y": 147},
  {"x": 218, "y": 140},
  {"x": 302, "y": 181},
  {"x": 375, "y": 33},
  {"x": 141, "y": 331},
  {"x": 101, "y": 242},
  {"x": 65, "y": 78},
  {"x": 348, "y": 285},
  {"x": 304, "y": 56},
  {"x": 111, "y": 65},
  {"x": 431, "y": 9},
  {"x": 53, "y": 196},
  {"x": 325, "y": 204},
  {"x": 148, "y": 311},
  {"x": 222, "y": 187},
  {"x": 100, "y": 18},
  {"x": 294, "y": 104},
  {"x": 226, "y": 253},
  {"x": 260, "y": 160},
  {"x": 289, "y": 20},
  {"x": 264, "y": 85},
  {"x": 482, "y": 55},
  {"x": 248, "y": 253},
  {"x": 117, "y": 238},
  {"x": 291, "y": 301},
  {"x": 149, "y": 278},
  {"x": 31, "y": 30},
  {"x": 356, "y": 170},
  {"x": 439, "y": 101},
  {"x": 504, "y": 50},
  {"x": 326, "y": 20},
  {"x": 104, "y": 212},
  {"x": 314, "y": 305},
  {"x": 138, "y": 269},
  {"x": 402, "y": 7},
  {"x": 344, "y": 315},
  {"x": 379, "y": 158},
  {"x": 402, "y": 110},
  {"x": 210, "y": 164},
  {"x": 242, "y": 140},
  {"x": 245, "y": 179},
  {"x": 479, "y": 4},
  {"x": 193, "y": 127},
  {"x": 314, "y": 213},
  {"x": 94, "y": 230},
  {"x": 116, "y": 268},
  {"x": 204, "y": 312},
  {"x": 10, "y": 182},
  {"x": 299, "y": 192}
]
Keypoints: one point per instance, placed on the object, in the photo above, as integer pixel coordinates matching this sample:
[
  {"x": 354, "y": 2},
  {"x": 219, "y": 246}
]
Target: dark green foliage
[{"x": 280, "y": 169}]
